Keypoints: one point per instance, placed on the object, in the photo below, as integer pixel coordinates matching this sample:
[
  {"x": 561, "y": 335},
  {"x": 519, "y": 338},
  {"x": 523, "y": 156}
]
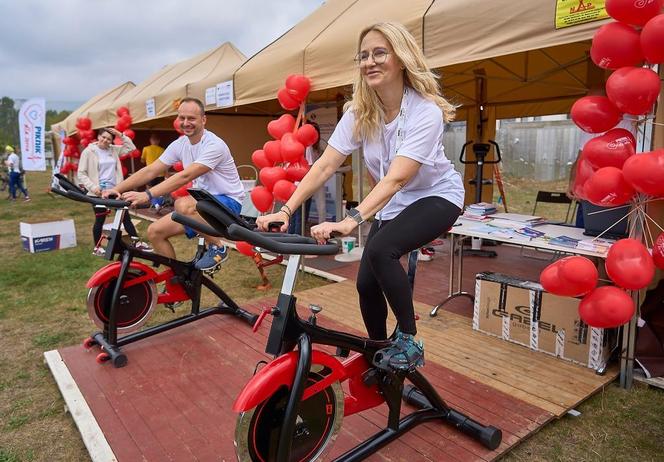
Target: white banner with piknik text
[{"x": 32, "y": 126}]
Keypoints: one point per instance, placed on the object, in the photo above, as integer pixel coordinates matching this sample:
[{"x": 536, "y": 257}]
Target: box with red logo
[{"x": 520, "y": 311}]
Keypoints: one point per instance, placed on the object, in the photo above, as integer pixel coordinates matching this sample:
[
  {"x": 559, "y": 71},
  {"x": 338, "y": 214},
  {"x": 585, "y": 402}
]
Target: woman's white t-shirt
[
  {"x": 107, "y": 166},
  {"x": 422, "y": 142},
  {"x": 212, "y": 152}
]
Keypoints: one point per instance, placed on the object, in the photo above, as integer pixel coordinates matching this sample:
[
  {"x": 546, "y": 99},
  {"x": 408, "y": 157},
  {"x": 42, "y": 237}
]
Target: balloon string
[
  {"x": 607, "y": 229},
  {"x": 647, "y": 228},
  {"x": 653, "y": 221},
  {"x": 300, "y": 115}
]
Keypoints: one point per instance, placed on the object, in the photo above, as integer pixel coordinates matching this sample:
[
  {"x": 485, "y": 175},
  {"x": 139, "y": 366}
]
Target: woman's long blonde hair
[{"x": 365, "y": 103}]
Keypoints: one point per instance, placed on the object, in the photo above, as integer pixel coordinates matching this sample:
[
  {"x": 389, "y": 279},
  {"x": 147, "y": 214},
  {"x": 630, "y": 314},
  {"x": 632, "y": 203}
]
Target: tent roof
[
  {"x": 174, "y": 82},
  {"x": 103, "y": 99},
  {"x": 497, "y": 39}
]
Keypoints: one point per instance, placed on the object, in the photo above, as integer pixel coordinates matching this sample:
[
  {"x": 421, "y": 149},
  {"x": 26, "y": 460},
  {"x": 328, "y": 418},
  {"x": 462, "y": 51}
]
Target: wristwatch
[{"x": 355, "y": 215}]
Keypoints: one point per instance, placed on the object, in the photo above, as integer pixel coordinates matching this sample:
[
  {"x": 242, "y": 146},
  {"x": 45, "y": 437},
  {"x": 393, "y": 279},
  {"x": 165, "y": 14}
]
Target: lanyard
[{"x": 400, "y": 135}]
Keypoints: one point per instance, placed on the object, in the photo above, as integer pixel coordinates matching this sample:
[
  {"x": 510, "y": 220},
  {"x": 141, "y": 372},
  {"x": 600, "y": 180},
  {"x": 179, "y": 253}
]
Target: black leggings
[
  {"x": 100, "y": 217},
  {"x": 381, "y": 275}
]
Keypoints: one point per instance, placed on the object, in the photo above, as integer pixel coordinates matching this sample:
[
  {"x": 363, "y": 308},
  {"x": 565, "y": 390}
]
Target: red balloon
[
  {"x": 260, "y": 160},
  {"x": 295, "y": 172},
  {"x": 262, "y": 198},
  {"x": 181, "y": 191},
  {"x": 307, "y": 134},
  {"x": 611, "y": 149},
  {"x": 283, "y": 190},
  {"x": 635, "y": 12},
  {"x": 284, "y": 124},
  {"x": 129, "y": 133},
  {"x": 286, "y": 100},
  {"x": 176, "y": 126},
  {"x": 645, "y": 172},
  {"x": 607, "y": 187},
  {"x": 87, "y": 134},
  {"x": 658, "y": 252},
  {"x": 245, "y": 248},
  {"x": 136, "y": 154},
  {"x": 122, "y": 111},
  {"x": 270, "y": 175},
  {"x": 178, "y": 167},
  {"x": 606, "y": 307},
  {"x": 83, "y": 123},
  {"x": 570, "y": 277},
  {"x": 291, "y": 149},
  {"x": 616, "y": 45},
  {"x": 298, "y": 86},
  {"x": 124, "y": 157},
  {"x": 629, "y": 264},
  {"x": 652, "y": 40},
  {"x": 117, "y": 141},
  {"x": 273, "y": 151},
  {"x": 595, "y": 114},
  {"x": 633, "y": 90},
  {"x": 85, "y": 142}
]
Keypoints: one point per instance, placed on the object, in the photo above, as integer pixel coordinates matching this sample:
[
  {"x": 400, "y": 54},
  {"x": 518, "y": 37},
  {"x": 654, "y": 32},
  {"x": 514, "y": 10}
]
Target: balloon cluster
[
  {"x": 629, "y": 264},
  {"x": 281, "y": 162},
  {"x": 608, "y": 173},
  {"x": 182, "y": 190},
  {"x": 122, "y": 124}
]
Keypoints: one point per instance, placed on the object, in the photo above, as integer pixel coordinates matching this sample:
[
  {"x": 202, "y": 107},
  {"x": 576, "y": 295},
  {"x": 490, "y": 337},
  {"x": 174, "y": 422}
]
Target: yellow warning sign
[{"x": 574, "y": 12}]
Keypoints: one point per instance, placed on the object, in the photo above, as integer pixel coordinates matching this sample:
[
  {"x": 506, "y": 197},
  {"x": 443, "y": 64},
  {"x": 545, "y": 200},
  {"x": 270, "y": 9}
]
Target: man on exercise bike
[{"x": 208, "y": 162}]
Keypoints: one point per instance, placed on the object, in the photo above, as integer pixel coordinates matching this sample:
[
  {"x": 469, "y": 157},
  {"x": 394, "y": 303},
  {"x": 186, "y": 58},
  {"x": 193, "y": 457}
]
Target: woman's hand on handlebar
[
  {"x": 264, "y": 221},
  {"x": 323, "y": 231},
  {"x": 110, "y": 193},
  {"x": 136, "y": 198}
]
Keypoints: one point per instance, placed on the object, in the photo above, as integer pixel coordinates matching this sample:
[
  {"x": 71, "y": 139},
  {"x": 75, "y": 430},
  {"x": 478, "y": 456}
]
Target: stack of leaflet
[
  {"x": 479, "y": 211},
  {"x": 595, "y": 245},
  {"x": 516, "y": 220}
]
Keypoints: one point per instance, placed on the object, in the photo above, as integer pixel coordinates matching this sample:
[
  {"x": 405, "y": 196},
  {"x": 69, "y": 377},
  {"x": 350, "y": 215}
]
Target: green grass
[{"x": 42, "y": 307}]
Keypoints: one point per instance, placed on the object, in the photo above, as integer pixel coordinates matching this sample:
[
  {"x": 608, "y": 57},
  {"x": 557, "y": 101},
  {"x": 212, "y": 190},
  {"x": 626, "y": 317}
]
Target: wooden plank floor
[{"x": 174, "y": 399}]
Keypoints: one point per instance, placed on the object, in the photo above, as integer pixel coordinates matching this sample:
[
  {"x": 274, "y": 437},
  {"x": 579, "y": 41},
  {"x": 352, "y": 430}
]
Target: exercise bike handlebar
[
  {"x": 230, "y": 227},
  {"x": 80, "y": 197},
  {"x": 486, "y": 148}
]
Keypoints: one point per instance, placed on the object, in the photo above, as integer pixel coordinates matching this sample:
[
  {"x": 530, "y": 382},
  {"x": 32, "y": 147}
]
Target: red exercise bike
[
  {"x": 123, "y": 294},
  {"x": 292, "y": 409}
]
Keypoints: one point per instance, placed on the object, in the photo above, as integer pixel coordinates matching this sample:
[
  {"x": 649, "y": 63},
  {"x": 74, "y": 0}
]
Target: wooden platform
[{"x": 173, "y": 401}]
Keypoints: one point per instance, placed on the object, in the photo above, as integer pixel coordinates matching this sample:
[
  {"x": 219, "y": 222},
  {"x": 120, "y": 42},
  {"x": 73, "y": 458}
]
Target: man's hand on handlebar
[
  {"x": 324, "y": 231},
  {"x": 136, "y": 198},
  {"x": 263, "y": 222},
  {"x": 110, "y": 193}
]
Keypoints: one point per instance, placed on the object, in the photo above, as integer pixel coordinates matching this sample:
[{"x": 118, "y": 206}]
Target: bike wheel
[
  {"x": 136, "y": 303},
  {"x": 318, "y": 421}
]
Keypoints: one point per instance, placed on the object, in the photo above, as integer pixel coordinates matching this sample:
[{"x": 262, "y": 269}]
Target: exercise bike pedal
[{"x": 342, "y": 352}]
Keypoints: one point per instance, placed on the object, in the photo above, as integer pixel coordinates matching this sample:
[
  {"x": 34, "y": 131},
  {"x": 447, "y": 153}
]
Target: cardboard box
[
  {"x": 521, "y": 312},
  {"x": 52, "y": 235}
]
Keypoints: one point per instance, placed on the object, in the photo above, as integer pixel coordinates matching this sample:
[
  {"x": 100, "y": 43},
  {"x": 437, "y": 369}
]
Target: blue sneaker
[
  {"x": 405, "y": 354},
  {"x": 213, "y": 257}
]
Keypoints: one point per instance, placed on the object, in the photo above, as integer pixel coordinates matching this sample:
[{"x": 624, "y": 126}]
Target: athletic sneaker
[
  {"x": 405, "y": 354},
  {"x": 141, "y": 245},
  {"x": 99, "y": 252},
  {"x": 213, "y": 257},
  {"x": 426, "y": 254}
]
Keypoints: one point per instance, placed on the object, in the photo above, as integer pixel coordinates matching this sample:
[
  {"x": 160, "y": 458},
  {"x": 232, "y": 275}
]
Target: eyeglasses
[{"x": 379, "y": 56}]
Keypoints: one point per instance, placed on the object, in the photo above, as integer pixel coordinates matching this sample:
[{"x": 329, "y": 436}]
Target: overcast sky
[{"x": 70, "y": 50}]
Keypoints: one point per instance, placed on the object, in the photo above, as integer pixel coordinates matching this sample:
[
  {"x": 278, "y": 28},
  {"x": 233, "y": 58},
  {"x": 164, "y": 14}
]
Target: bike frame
[
  {"x": 188, "y": 286},
  {"x": 368, "y": 385}
]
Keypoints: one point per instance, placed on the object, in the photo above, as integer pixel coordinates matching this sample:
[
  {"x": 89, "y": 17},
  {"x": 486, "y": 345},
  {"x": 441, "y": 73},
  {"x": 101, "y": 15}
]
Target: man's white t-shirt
[
  {"x": 422, "y": 142},
  {"x": 212, "y": 152},
  {"x": 14, "y": 161}
]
